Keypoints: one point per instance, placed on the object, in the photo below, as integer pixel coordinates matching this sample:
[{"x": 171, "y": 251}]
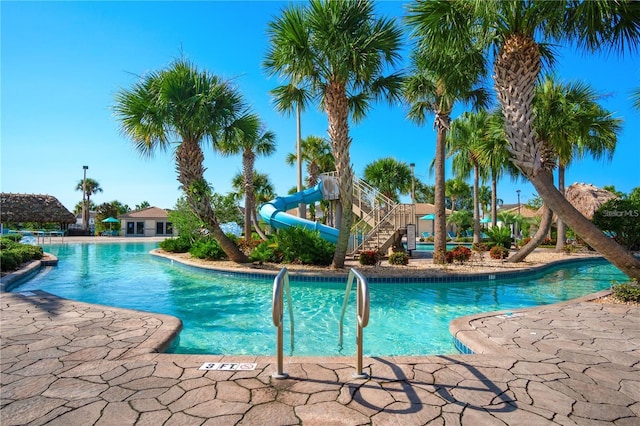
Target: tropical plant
[
  {"x": 316, "y": 152},
  {"x": 188, "y": 107},
  {"x": 569, "y": 120},
  {"x": 295, "y": 245},
  {"x": 90, "y": 187},
  {"x": 498, "y": 252},
  {"x": 458, "y": 192},
  {"x": 627, "y": 292},
  {"x": 262, "y": 192},
  {"x": 635, "y": 98},
  {"x": 460, "y": 255},
  {"x": 390, "y": 176},
  {"x": 399, "y": 258},
  {"x": 463, "y": 142},
  {"x": 500, "y": 235},
  {"x": 621, "y": 219},
  {"x": 462, "y": 219},
  {"x": 207, "y": 248},
  {"x": 338, "y": 50},
  {"x": 424, "y": 193},
  {"x": 369, "y": 258},
  {"x": 518, "y": 34},
  {"x": 289, "y": 97},
  {"x": 142, "y": 205},
  {"x": 251, "y": 140},
  {"x": 440, "y": 78}
]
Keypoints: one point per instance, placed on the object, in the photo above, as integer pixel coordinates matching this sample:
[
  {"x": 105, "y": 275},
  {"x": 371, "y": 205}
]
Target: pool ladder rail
[{"x": 281, "y": 287}]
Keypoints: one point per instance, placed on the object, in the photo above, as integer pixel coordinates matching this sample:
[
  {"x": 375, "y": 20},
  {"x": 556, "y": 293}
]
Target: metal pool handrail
[
  {"x": 362, "y": 314},
  {"x": 280, "y": 283}
]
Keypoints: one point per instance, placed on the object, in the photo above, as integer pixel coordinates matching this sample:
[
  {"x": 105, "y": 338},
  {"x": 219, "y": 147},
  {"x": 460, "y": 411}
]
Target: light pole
[
  {"x": 85, "y": 221},
  {"x": 518, "y": 192},
  {"x": 413, "y": 183}
]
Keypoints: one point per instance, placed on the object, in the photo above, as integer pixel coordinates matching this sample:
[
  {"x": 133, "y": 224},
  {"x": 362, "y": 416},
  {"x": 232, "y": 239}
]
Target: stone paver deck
[{"x": 70, "y": 363}]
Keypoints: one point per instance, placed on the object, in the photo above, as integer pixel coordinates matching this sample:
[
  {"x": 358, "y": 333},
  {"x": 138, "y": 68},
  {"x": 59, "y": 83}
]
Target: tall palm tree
[
  {"x": 390, "y": 176},
  {"x": 90, "y": 187},
  {"x": 517, "y": 33},
  {"x": 463, "y": 145},
  {"x": 187, "y": 107},
  {"x": 263, "y": 191},
  {"x": 456, "y": 190},
  {"x": 288, "y": 98},
  {"x": 435, "y": 86},
  {"x": 316, "y": 152},
  {"x": 570, "y": 121},
  {"x": 251, "y": 141},
  {"x": 340, "y": 51}
]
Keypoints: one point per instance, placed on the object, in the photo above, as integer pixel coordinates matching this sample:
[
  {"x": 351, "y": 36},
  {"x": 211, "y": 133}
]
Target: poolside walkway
[{"x": 70, "y": 363}]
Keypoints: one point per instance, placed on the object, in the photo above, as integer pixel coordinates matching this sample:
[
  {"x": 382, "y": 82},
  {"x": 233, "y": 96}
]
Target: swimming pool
[{"x": 224, "y": 314}]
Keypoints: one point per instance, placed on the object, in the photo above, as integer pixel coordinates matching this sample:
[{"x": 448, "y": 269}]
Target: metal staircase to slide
[{"x": 379, "y": 222}]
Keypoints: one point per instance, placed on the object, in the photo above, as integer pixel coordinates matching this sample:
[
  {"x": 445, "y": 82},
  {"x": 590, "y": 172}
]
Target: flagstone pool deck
[{"x": 64, "y": 362}]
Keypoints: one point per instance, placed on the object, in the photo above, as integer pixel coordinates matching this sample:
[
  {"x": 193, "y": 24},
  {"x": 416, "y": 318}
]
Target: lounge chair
[
  {"x": 468, "y": 233},
  {"x": 426, "y": 234},
  {"x": 451, "y": 235}
]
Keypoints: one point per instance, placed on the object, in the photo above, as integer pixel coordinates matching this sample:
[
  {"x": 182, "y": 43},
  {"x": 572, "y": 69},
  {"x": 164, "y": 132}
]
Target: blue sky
[{"x": 63, "y": 62}]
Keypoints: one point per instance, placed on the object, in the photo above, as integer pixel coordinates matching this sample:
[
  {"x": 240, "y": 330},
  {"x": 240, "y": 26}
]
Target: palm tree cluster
[{"x": 341, "y": 56}]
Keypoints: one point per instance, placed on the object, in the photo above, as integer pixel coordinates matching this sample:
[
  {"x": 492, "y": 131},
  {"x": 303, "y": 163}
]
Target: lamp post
[
  {"x": 518, "y": 192},
  {"x": 413, "y": 183},
  {"x": 85, "y": 221}
]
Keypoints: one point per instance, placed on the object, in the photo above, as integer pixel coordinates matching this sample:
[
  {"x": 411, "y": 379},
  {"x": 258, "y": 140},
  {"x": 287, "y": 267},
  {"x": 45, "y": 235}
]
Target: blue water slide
[{"x": 274, "y": 213}]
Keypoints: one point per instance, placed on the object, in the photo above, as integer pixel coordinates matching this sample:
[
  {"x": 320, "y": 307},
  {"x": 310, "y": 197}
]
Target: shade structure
[
  {"x": 429, "y": 216},
  {"x": 587, "y": 198},
  {"x": 110, "y": 220},
  {"x": 485, "y": 220}
]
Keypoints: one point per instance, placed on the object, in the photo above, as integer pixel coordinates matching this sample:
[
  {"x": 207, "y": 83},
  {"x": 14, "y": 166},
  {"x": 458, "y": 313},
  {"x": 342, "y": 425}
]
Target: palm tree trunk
[
  {"x": 607, "y": 247},
  {"x": 189, "y": 160},
  {"x": 516, "y": 70},
  {"x": 440, "y": 221},
  {"x": 247, "y": 171},
  {"x": 476, "y": 204},
  {"x": 539, "y": 236},
  {"x": 561, "y": 228},
  {"x": 337, "y": 109},
  {"x": 494, "y": 200},
  {"x": 256, "y": 226}
]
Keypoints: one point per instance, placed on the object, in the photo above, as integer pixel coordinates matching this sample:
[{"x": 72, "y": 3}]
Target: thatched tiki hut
[
  {"x": 587, "y": 198},
  {"x": 17, "y": 208}
]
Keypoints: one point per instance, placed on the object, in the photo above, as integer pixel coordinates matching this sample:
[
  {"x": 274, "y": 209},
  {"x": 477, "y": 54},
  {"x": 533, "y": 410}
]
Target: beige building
[{"x": 149, "y": 222}]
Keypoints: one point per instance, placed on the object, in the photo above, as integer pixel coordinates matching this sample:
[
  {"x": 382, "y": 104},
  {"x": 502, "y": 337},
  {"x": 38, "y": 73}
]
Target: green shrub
[
  {"x": 500, "y": 235},
  {"x": 627, "y": 292},
  {"x": 13, "y": 237},
  {"x": 180, "y": 244},
  {"x": 621, "y": 219},
  {"x": 7, "y": 243},
  {"x": 459, "y": 255},
  {"x": 369, "y": 257},
  {"x": 9, "y": 260},
  {"x": 295, "y": 245},
  {"x": 498, "y": 252},
  {"x": 399, "y": 258},
  {"x": 207, "y": 248}
]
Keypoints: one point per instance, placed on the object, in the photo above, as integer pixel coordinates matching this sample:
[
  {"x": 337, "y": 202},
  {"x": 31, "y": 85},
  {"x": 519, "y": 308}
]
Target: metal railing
[
  {"x": 362, "y": 315},
  {"x": 280, "y": 284}
]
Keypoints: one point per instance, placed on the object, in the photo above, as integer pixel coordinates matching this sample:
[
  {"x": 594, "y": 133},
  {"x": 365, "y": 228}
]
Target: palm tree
[
  {"x": 569, "y": 120},
  {"x": 435, "y": 87},
  {"x": 390, "y": 176},
  {"x": 462, "y": 219},
  {"x": 263, "y": 191},
  {"x": 251, "y": 141},
  {"x": 287, "y": 98},
  {"x": 457, "y": 190},
  {"x": 462, "y": 142},
  {"x": 188, "y": 107},
  {"x": 635, "y": 98},
  {"x": 339, "y": 50},
  {"x": 89, "y": 187},
  {"x": 316, "y": 152},
  {"x": 517, "y": 33}
]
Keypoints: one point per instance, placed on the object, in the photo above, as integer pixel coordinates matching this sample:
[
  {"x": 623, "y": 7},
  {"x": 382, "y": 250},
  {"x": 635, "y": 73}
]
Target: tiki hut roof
[
  {"x": 33, "y": 208},
  {"x": 587, "y": 198}
]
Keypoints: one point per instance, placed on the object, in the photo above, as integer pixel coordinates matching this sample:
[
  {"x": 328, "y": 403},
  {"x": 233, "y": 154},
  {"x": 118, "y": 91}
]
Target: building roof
[
  {"x": 37, "y": 208},
  {"x": 148, "y": 213},
  {"x": 427, "y": 208}
]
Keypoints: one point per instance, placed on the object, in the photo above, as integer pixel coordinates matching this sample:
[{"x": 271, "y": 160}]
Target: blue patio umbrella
[
  {"x": 485, "y": 220},
  {"x": 110, "y": 220},
  {"x": 429, "y": 216}
]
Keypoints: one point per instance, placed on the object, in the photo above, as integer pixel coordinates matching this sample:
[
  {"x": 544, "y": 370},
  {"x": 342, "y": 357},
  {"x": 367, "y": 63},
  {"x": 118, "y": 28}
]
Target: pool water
[{"x": 223, "y": 314}]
